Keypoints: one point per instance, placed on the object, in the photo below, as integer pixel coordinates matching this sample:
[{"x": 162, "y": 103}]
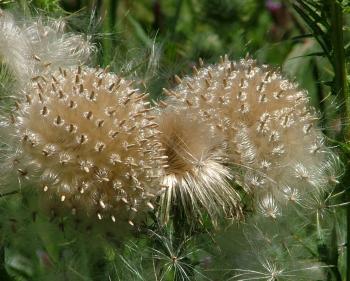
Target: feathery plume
[{"x": 195, "y": 176}]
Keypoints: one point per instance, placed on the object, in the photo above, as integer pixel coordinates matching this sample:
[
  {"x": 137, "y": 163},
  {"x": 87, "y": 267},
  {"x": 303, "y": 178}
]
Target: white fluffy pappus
[
  {"x": 196, "y": 179},
  {"x": 28, "y": 47}
]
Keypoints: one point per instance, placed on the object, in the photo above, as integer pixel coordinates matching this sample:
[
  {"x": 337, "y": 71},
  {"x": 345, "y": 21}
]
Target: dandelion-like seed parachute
[
  {"x": 273, "y": 144},
  {"x": 82, "y": 135}
]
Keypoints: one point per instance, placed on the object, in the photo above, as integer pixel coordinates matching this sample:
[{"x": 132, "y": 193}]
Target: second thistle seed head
[
  {"x": 86, "y": 136},
  {"x": 274, "y": 145}
]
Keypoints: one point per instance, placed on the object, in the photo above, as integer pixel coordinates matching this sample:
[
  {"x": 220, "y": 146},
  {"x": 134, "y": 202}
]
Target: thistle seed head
[
  {"x": 270, "y": 128},
  {"x": 87, "y": 136}
]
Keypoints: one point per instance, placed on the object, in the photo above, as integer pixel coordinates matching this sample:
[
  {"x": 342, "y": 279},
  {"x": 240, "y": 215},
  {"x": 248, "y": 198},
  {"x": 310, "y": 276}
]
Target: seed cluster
[
  {"x": 90, "y": 138},
  {"x": 276, "y": 150}
]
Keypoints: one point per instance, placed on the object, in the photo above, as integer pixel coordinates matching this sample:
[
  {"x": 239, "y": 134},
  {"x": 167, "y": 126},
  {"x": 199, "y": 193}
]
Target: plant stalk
[
  {"x": 341, "y": 90},
  {"x": 339, "y": 63},
  {"x": 109, "y": 11}
]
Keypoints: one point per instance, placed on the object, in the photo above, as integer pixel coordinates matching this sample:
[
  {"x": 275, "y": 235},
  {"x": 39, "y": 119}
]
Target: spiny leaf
[
  {"x": 319, "y": 34},
  {"x": 313, "y": 14}
]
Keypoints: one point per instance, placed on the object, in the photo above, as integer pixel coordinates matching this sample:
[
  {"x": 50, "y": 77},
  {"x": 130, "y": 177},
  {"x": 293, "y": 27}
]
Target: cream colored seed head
[
  {"x": 271, "y": 131},
  {"x": 195, "y": 177},
  {"x": 89, "y": 138}
]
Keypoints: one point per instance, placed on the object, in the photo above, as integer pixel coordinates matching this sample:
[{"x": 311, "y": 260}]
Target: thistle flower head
[
  {"x": 195, "y": 175},
  {"x": 86, "y": 136},
  {"x": 270, "y": 128}
]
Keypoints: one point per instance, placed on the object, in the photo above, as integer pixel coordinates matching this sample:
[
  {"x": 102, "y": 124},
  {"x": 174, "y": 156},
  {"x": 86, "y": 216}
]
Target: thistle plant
[
  {"x": 227, "y": 176},
  {"x": 268, "y": 141}
]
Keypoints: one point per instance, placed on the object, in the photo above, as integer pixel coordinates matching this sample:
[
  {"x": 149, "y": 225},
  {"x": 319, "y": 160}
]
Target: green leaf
[{"x": 139, "y": 32}]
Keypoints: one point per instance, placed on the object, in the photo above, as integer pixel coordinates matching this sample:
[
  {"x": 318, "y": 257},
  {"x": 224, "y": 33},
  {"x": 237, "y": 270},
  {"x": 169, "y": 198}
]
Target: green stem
[
  {"x": 109, "y": 12},
  {"x": 341, "y": 90},
  {"x": 339, "y": 63}
]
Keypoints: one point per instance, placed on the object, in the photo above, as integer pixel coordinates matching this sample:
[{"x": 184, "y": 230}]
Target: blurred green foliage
[{"x": 156, "y": 39}]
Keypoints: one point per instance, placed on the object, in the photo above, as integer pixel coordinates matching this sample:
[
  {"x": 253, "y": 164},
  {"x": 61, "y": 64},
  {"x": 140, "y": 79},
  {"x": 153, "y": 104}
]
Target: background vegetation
[{"x": 153, "y": 40}]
